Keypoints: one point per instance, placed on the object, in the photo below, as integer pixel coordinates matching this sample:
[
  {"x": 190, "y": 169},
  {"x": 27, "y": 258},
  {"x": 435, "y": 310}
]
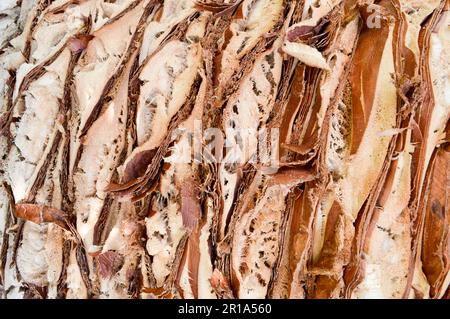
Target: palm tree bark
[{"x": 224, "y": 149}]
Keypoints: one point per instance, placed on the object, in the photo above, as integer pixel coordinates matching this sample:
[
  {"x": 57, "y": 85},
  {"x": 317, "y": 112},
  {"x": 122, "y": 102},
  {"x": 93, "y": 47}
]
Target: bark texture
[{"x": 97, "y": 199}]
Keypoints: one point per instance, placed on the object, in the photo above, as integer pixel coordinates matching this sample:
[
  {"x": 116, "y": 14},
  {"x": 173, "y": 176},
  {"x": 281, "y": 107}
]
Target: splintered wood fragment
[
  {"x": 40, "y": 214},
  {"x": 287, "y": 176},
  {"x": 190, "y": 204},
  {"x": 306, "y": 54},
  {"x": 110, "y": 263}
]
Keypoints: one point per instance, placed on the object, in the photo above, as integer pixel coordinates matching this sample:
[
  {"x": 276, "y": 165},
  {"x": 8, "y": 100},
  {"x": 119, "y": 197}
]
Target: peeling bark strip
[
  {"x": 328, "y": 120},
  {"x": 42, "y": 214}
]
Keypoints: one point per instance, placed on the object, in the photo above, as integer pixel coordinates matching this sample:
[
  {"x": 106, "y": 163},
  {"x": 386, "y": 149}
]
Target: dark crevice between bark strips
[
  {"x": 62, "y": 283},
  {"x": 41, "y": 175},
  {"x": 10, "y": 220},
  {"x": 67, "y": 204},
  {"x": 135, "y": 279},
  {"x": 11, "y": 82},
  {"x": 278, "y": 280},
  {"x": 299, "y": 233},
  {"x": 219, "y": 8},
  {"x": 211, "y": 114},
  {"x": 32, "y": 291},
  {"x": 101, "y": 222},
  {"x": 17, "y": 240}
]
